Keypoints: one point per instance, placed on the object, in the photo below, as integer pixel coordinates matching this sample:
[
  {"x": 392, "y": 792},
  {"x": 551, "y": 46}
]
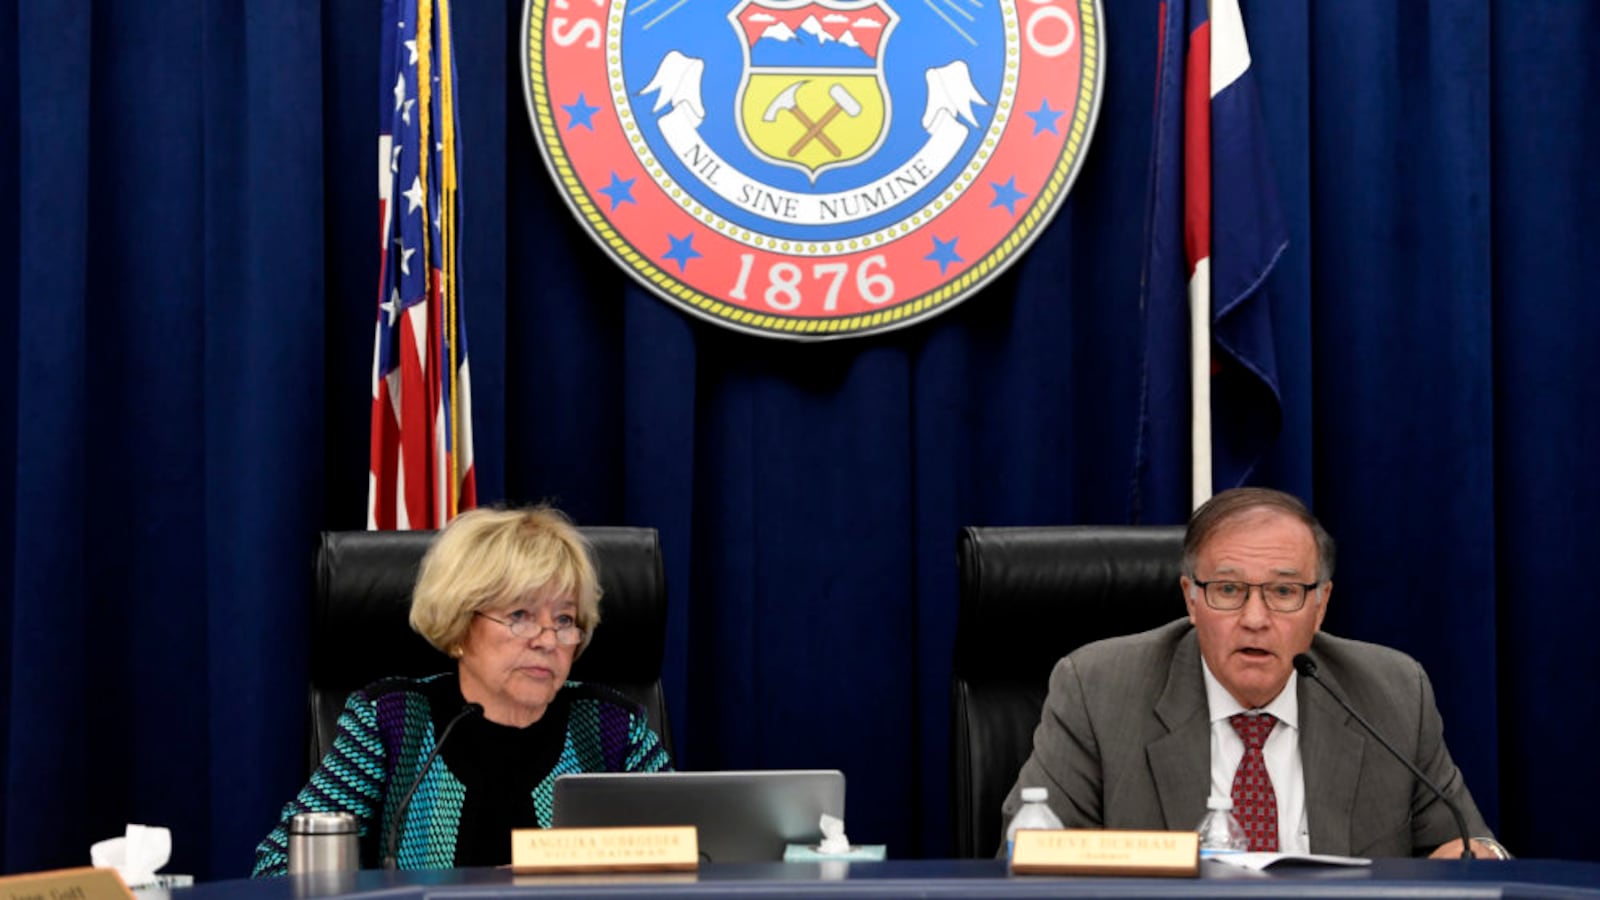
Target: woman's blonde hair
[{"x": 488, "y": 559}]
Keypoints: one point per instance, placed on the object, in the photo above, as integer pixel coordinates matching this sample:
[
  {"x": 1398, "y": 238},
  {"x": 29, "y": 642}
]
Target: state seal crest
[{"x": 813, "y": 168}]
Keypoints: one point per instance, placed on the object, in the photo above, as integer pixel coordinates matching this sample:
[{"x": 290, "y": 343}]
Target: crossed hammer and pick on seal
[{"x": 816, "y": 130}]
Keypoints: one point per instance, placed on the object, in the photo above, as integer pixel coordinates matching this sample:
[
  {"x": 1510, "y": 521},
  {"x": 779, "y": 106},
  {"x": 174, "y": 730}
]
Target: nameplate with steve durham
[{"x": 1174, "y": 854}]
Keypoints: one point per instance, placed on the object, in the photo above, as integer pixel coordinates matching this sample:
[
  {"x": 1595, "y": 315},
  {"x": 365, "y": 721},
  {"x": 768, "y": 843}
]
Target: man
[{"x": 1137, "y": 731}]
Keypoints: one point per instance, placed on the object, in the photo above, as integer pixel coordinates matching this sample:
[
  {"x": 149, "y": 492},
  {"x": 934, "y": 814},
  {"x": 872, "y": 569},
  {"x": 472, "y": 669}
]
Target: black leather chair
[
  {"x": 1030, "y": 596},
  {"x": 360, "y": 630}
]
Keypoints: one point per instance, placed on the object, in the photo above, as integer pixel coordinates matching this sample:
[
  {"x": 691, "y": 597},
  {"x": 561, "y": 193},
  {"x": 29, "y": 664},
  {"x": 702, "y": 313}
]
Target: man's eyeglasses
[
  {"x": 1279, "y": 596},
  {"x": 521, "y": 624}
]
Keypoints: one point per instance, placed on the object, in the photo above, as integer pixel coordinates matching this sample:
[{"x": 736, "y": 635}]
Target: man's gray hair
[{"x": 1233, "y": 503}]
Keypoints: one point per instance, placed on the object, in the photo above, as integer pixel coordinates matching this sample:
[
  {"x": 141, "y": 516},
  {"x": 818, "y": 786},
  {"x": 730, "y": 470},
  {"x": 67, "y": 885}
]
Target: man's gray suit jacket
[{"x": 1124, "y": 742}]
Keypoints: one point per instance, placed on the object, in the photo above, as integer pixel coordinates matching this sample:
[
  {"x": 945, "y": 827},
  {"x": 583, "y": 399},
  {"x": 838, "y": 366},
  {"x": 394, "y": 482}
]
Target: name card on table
[
  {"x": 1085, "y": 852},
  {"x": 66, "y": 884},
  {"x": 670, "y": 848}
]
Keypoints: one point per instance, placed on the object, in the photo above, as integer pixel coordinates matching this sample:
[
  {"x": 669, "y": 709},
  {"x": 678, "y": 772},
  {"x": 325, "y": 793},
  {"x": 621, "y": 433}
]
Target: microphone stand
[{"x": 1305, "y": 665}]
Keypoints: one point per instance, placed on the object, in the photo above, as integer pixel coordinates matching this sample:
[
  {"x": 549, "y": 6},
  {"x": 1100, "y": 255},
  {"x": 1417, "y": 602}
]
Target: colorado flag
[{"x": 1210, "y": 403}]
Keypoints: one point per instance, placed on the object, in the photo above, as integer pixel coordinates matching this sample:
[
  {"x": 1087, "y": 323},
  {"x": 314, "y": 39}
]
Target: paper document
[{"x": 1262, "y": 861}]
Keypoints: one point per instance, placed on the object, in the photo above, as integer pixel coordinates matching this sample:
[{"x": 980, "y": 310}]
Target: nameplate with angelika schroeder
[
  {"x": 84, "y": 883},
  {"x": 1174, "y": 854},
  {"x": 669, "y": 848}
]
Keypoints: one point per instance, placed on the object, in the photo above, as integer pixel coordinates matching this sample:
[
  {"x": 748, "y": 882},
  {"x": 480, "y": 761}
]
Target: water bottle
[
  {"x": 1219, "y": 831},
  {"x": 1034, "y": 814}
]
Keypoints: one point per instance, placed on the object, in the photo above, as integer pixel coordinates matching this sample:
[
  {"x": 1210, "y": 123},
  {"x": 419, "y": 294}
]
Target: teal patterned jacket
[{"x": 387, "y": 730}]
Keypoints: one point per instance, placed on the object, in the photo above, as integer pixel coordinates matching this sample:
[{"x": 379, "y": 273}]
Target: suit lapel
[
  {"x": 1180, "y": 760},
  {"x": 1330, "y": 753}
]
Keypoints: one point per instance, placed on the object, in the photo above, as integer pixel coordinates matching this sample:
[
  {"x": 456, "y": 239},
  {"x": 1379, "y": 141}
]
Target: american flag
[
  {"x": 421, "y": 468},
  {"x": 1214, "y": 231}
]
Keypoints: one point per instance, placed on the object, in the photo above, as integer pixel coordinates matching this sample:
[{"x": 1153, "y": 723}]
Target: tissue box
[{"x": 858, "y": 853}]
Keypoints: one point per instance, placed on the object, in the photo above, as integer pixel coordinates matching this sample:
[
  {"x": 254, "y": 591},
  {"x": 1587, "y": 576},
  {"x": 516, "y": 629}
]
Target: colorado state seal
[{"x": 813, "y": 168}]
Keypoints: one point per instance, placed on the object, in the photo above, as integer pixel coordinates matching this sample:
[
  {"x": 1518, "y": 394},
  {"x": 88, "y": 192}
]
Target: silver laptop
[{"x": 741, "y": 816}]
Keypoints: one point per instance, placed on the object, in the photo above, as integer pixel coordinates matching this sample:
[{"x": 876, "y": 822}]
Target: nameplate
[
  {"x": 673, "y": 848},
  {"x": 66, "y": 884},
  {"x": 1174, "y": 854}
]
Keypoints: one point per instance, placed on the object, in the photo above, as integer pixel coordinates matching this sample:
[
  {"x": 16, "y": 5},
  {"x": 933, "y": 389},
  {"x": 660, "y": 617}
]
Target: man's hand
[{"x": 1452, "y": 850}]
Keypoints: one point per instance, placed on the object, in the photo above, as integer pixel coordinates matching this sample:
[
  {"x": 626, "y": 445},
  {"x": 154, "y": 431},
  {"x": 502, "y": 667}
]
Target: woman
[{"x": 512, "y": 596}]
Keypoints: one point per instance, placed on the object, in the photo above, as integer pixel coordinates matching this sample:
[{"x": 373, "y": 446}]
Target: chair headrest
[
  {"x": 1029, "y": 595},
  {"x": 631, "y": 640},
  {"x": 360, "y": 627}
]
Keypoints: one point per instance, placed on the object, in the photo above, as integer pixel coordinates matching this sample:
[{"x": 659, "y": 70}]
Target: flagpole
[
  {"x": 447, "y": 217},
  {"x": 1200, "y": 382},
  {"x": 1198, "y": 167}
]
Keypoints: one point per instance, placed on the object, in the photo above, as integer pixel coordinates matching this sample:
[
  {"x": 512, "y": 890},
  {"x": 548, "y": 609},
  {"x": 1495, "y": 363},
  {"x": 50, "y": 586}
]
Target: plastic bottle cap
[
  {"x": 1035, "y": 795},
  {"x": 1219, "y": 802}
]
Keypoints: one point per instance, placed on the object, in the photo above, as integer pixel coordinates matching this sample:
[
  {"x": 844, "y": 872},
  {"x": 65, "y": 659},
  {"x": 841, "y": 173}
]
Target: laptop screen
[{"x": 740, "y": 816}]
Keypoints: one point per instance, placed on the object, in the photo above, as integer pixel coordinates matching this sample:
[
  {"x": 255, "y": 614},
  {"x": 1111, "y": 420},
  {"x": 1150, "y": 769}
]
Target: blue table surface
[{"x": 1411, "y": 878}]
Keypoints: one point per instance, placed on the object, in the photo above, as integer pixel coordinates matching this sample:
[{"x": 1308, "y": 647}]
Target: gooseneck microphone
[
  {"x": 1306, "y": 666},
  {"x": 391, "y": 840}
]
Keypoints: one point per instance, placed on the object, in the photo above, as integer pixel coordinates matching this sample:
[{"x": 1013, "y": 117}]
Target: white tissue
[
  {"x": 137, "y": 855},
  {"x": 833, "y": 839}
]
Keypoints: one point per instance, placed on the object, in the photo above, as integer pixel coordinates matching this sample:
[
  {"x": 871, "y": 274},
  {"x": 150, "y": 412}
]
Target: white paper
[{"x": 1260, "y": 861}]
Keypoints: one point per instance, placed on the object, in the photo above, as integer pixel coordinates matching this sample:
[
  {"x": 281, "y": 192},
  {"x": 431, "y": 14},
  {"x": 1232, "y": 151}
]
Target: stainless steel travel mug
[{"x": 323, "y": 842}]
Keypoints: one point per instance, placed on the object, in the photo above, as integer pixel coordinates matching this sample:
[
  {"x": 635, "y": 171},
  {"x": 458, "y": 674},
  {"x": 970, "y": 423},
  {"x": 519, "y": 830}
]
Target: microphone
[
  {"x": 1306, "y": 666},
  {"x": 391, "y": 841}
]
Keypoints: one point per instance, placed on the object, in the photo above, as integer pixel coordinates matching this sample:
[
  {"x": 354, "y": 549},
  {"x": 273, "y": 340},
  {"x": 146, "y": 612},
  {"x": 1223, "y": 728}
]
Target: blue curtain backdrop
[{"x": 191, "y": 236}]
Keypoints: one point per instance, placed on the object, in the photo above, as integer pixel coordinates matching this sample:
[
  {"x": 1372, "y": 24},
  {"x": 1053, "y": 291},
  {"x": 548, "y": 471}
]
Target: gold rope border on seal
[{"x": 1044, "y": 205}]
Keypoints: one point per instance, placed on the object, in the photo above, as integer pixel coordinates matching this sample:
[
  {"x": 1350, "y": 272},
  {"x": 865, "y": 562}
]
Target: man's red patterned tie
[{"x": 1255, "y": 804}]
